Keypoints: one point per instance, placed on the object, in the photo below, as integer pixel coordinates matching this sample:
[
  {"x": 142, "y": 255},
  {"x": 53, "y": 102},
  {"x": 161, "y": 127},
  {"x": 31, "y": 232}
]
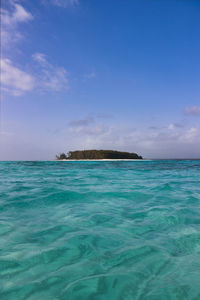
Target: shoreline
[{"x": 68, "y": 160}]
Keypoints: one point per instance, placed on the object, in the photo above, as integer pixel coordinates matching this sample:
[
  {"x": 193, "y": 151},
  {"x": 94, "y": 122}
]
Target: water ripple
[{"x": 100, "y": 230}]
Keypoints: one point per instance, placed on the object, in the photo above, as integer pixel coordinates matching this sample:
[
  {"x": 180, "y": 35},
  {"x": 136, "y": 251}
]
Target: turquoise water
[{"x": 100, "y": 230}]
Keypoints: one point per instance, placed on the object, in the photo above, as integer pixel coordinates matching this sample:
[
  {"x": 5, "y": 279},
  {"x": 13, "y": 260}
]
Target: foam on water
[{"x": 100, "y": 230}]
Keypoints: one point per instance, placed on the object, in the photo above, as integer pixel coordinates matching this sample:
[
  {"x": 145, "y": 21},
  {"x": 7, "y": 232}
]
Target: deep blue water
[{"x": 100, "y": 230}]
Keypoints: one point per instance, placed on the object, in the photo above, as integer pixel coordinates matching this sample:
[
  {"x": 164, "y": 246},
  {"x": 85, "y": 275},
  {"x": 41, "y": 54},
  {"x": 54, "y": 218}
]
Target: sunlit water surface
[{"x": 100, "y": 230}]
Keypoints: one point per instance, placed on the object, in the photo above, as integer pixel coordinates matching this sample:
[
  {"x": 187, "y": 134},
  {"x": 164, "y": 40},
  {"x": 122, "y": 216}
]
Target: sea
[{"x": 100, "y": 230}]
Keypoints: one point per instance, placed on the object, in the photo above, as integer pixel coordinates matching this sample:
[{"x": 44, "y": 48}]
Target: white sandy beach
[{"x": 101, "y": 160}]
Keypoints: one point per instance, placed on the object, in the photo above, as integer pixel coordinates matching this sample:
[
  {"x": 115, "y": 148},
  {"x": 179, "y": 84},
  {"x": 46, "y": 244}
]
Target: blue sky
[{"x": 90, "y": 74}]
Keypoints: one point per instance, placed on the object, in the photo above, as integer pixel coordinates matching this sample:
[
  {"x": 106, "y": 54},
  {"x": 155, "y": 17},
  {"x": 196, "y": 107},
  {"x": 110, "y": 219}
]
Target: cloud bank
[{"x": 170, "y": 141}]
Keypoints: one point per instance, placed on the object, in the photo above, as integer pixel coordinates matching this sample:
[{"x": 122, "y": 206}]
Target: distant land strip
[{"x": 97, "y": 154}]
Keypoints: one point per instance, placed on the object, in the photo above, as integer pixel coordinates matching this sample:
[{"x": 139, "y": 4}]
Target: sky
[{"x": 90, "y": 74}]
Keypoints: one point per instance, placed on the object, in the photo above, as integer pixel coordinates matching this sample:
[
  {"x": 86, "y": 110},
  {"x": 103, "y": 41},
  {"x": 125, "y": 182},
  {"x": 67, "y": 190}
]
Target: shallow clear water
[{"x": 100, "y": 230}]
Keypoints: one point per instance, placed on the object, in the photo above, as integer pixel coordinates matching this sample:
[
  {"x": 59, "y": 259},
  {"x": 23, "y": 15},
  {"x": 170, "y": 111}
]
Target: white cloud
[
  {"x": 10, "y": 20},
  {"x": 50, "y": 77},
  {"x": 193, "y": 110},
  {"x": 45, "y": 77},
  {"x": 65, "y": 3},
  {"x": 15, "y": 80},
  {"x": 39, "y": 57},
  {"x": 54, "y": 79},
  {"x": 18, "y": 14}
]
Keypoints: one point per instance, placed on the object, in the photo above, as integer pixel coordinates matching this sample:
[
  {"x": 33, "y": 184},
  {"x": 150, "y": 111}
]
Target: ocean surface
[{"x": 100, "y": 230}]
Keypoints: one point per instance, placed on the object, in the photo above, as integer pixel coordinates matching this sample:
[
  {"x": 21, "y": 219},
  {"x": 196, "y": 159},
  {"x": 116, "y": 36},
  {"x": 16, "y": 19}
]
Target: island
[{"x": 97, "y": 154}]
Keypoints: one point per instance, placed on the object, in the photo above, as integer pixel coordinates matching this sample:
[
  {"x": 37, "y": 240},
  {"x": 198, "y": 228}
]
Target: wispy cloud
[
  {"x": 192, "y": 110},
  {"x": 49, "y": 76},
  {"x": 15, "y": 80},
  {"x": 81, "y": 122},
  {"x": 191, "y": 135},
  {"x": 18, "y": 14},
  {"x": 173, "y": 126},
  {"x": 90, "y": 75},
  {"x": 63, "y": 3},
  {"x": 10, "y": 21},
  {"x": 40, "y": 58},
  {"x": 43, "y": 76}
]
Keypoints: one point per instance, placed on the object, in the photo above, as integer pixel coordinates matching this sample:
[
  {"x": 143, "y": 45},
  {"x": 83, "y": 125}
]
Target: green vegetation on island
[{"x": 97, "y": 154}]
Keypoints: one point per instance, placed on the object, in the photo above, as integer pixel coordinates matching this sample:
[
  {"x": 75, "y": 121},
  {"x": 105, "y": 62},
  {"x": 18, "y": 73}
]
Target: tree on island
[
  {"x": 97, "y": 154},
  {"x": 61, "y": 156}
]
